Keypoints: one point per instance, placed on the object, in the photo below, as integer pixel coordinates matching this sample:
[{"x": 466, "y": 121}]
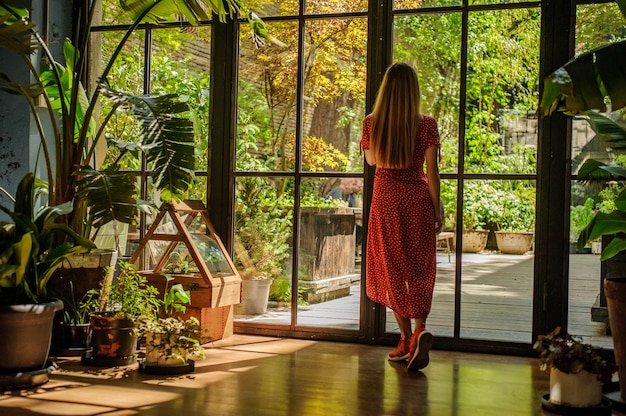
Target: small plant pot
[
  {"x": 582, "y": 389},
  {"x": 255, "y": 294},
  {"x": 112, "y": 338},
  {"x": 76, "y": 336},
  {"x": 161, "y": 350}
]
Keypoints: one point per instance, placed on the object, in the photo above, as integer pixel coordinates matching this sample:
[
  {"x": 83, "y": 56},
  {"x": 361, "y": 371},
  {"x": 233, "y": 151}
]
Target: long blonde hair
[{"x": 396, "y": 118}]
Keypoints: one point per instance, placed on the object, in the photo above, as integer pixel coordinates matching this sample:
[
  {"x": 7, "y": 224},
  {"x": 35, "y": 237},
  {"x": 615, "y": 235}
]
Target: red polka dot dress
[{"x": 401, "y": 241}]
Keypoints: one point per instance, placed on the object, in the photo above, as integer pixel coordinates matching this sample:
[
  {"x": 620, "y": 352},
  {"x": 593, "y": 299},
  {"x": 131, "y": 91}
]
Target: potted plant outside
[
  {"x": 585, "y": 85},
  {"x": 577, "y": 371},
  {"x": 477, "y": 213},
  {"x": 171, "y": 341},
  {"x": 115, "y": 307},
  {"x": 515, "y": 219},
  {"x": 28, "y": 258}
]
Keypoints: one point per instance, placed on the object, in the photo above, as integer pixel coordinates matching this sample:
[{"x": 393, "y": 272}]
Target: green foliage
[
  {"x": 479, "y": 205},
  {"x": 515, "y": 207},
  {"x": 161, "y": 128},
  {"x": 28, "y": 253},
  {"x": 580, "y": 217},
  {"x": 127, "y": 296}
]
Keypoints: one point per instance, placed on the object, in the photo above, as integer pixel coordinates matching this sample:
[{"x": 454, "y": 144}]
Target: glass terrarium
[{"x": 182, "y": 245}]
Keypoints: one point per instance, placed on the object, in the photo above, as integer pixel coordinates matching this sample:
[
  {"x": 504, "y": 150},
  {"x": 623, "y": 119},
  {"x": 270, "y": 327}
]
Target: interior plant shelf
[{"x": 182, "y": 244}]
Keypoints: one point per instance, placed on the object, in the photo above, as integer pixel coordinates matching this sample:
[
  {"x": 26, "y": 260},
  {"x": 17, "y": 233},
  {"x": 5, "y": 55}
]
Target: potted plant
[
  {"x": 577, "y": 371},
  {"x": 477, "y": 213},
  {"x": 171, "y": 341},
  {"x": 56, "y": 96},
  {"x": 585, "y": 85},
  {"x": 515, "y": 219},
  {"x": 74, "y": 329},
  {"x": 115, "y": 307},
  {"x": 28, "y": 258}
]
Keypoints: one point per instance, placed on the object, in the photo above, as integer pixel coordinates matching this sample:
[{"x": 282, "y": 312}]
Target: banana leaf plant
[
  {"x": 28, "y": 254},
  {"x": 584, "y": 85},
  {"x": 167, "y": 131}
]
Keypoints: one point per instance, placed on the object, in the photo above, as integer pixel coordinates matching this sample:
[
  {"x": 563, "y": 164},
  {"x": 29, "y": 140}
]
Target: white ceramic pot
[
  {"x": 577, "y": 390},
  {"x": 159, "y": 352}
]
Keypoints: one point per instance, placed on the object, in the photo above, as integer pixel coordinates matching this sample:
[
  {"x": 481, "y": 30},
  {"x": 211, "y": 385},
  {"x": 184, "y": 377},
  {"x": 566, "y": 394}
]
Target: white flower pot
[
  {"x": 159, "y": 351},
  {"x": 577, "y": 390}
]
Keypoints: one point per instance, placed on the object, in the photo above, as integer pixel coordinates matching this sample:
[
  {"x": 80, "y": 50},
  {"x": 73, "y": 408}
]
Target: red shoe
[
  {"x": 401, "y": 352},
  {"x": 421, "y": 341}
]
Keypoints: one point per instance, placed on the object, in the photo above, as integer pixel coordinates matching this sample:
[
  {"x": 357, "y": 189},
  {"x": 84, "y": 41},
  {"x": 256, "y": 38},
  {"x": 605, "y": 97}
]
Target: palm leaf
[
  {"x": 16, "y": 33},
  {"x": 167, "y": 139},
  {"x": 108, "y": 195}
]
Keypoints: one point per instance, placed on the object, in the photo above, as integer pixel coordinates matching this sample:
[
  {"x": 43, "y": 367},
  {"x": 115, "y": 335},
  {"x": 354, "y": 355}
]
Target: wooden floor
[{"x": 251, "y": 375}]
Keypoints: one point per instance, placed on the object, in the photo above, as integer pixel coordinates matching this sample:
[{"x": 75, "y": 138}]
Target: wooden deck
[{"x": 496, "y": 301}]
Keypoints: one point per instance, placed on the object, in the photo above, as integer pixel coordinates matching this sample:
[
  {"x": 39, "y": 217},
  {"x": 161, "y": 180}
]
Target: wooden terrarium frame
[{"x": 189, "y": 237}]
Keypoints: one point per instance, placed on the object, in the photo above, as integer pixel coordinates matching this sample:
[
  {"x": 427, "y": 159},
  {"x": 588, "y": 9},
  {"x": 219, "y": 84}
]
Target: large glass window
[
  {"x": 300, "y": 106},
  {"x": 498, "y": 77}
]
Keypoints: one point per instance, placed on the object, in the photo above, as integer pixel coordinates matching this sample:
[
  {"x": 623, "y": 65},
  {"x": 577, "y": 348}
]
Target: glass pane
[
  {"x": 126, "y": 75},
  {"x": 417, "y": 39},
  {"x": 414, "y": 4},
  {"x": 334, "y": 95},
  {"x": 337, "y": 6},
  {"x": 263, "y": 242},
  {"x": 585, "y": 283},
  {"x": 274, "y": 8},
  {"x": 266, "y": 122},
  {"x": 502, "y": 91},
  {"x": 180, "y": 65},
  {"x": 597, "y": 25},
  {"x": 497, "y": 263},
  {"x": 111, "y": 14},
  {"x": 329, "y": 270},
  {"x": 473, "y": 2}
]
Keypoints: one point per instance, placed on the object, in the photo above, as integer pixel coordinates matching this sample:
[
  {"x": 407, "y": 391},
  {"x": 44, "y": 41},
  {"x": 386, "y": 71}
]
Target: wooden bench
[{"x": 446, "y": 237}]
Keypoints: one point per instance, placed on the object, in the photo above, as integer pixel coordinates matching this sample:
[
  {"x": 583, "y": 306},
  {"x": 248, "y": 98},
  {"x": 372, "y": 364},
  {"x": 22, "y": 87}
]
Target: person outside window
[{"x": 405, "y": 214}]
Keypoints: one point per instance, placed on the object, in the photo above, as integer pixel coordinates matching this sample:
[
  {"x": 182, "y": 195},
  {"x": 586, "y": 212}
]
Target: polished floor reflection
[{"x": 251, "y": 375}]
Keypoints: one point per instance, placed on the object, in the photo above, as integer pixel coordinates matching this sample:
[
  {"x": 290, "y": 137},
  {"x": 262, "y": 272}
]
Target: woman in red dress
[{"x": 404, "y": 215}]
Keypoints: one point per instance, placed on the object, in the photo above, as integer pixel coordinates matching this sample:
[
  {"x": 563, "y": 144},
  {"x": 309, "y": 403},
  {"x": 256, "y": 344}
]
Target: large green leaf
[
  {"x": 589, "y": 77},
  {"x": 108, "y": 195},
  {"x": 167, "y": 139},
  {"x": 603, "y": 224}
]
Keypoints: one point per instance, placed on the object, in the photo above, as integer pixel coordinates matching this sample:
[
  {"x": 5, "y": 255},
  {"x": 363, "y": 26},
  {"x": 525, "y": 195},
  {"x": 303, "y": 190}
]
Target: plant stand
[
  {"x": 183, "y": 244},
  {"x": 27, "y": 379}
]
